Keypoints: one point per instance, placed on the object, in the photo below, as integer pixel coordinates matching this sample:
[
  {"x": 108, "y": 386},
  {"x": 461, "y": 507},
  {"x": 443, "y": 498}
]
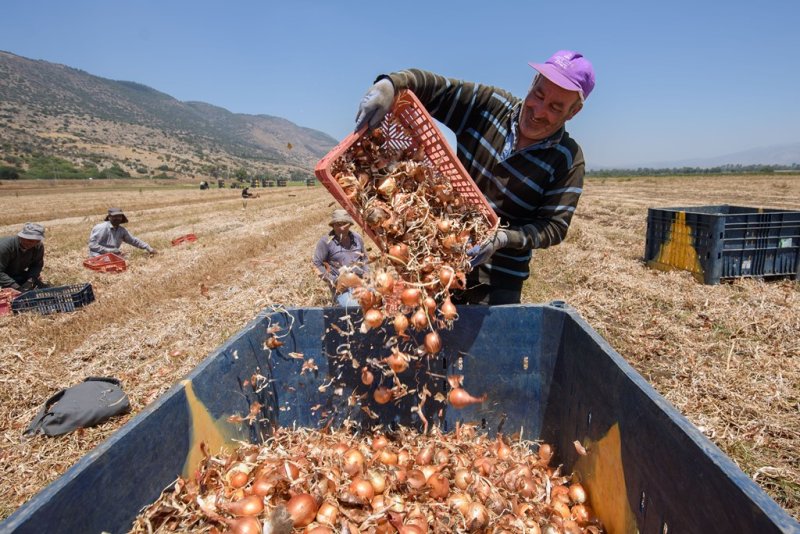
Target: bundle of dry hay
[{"x": 727, "y": 356}]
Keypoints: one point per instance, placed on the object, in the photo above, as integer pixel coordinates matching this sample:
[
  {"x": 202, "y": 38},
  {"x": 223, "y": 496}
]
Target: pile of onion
[{"x": 334, "y": 481}]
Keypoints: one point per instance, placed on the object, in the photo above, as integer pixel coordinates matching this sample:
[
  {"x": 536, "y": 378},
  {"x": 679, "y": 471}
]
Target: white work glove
[
  {"x": 375, "y": 104},
  {"x": 504, "y": 237}
]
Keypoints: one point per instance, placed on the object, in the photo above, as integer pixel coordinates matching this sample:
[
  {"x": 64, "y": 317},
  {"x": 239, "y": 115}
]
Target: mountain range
[
  {"x": 56, "y": 110},
  {"x": 780, "y": 155}
]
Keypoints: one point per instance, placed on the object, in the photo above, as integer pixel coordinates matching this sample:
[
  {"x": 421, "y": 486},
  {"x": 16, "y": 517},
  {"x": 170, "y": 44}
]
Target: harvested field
[{"x": 727, "y": 356}]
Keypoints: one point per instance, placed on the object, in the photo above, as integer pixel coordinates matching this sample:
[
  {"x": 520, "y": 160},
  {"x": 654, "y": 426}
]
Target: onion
[
  {"x": 463, "y": 478},
  {"x": 243, "y": 525},
  {"x": 430, "y": 305},
  {"x": 448, "y": 310},
  {"x": 362, "y": 488},
  {"x": 459, "y": 501},
  {"x": 382, "y": 395},
  {"x": 399, "y": 253},
  {"x": 459, "y": 398},
  {"x": 485, "y": 466},
  {"x": 416, "y": 478},
  {"x": 419, "y": 320},
  {"x": 327, "y": 513},
  {"x": 237, "y": 478},
  {"x": 347, "y": 280},
  {"x": 400, "y": 324},
  {"x": 353, "y": 461},
  {"x": 387, "y": 457},
  {"x": 379, "y": 442},
  {"x": 424, "y": 456},
  {"x": 366, "y": 376},
  {"x": 377, "y": 480},
  {"x": 477, "y": 517},
  {"x": 384, "y": 282},
  {"x": 446, "y": 275},
  {"x": 318, "y": 529},
  {"x": 545, "y": 453},
  {"x": 438, "y": 486},
  {"x": 410, "y": 296},
  {"x": 526, "y": 486},
  {"x": 291, "y": 471},
  {"x": 373, "y": 318},
  {"x": 561, "y": 509},
  {"x": 501, "y": 450},
  {"x": 581, "y": 513},
  {"x": 302, "y": 509},
  {"x": 444, "y": 225},
  {"x": 397, "y": 361},
  {"x": 442, "y": 457},
  {"x": 366, "y": 299},
  {"x": 433, "y": 343},
  {"x": 263, "y": 485},
  {"x": 251, "y": 505},
  {"x": 577, "y": 494}
]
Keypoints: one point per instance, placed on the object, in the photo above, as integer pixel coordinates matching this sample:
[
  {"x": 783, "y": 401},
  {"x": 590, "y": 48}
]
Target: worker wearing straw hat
[
  {"x": 22, "y": 258},
  {"x": 108, "y": 236},
  {"x": 518, "y": 153},
  {"x": 341, "y": 251}
]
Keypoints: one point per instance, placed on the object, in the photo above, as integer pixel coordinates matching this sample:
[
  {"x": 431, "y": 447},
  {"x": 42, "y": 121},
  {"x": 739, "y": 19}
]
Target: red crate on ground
[
  {"x": 106, "y": 263},
  {"x": 408, "y": 125},
  {"x": 7, "y": 294},
  {"x": 188, "y": 238}
]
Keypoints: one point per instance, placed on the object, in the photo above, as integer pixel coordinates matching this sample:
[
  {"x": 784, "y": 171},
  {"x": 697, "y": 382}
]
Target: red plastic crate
[
  {"x": 188, "y": 238},
  {"x": 408, "y": 115},
  {"x": 106, "y": 263},
  {"x": 7, "y": 294}
]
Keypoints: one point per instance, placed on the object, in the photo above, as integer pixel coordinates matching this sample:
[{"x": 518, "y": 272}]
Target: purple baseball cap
[{"x": 570, "y": 70}]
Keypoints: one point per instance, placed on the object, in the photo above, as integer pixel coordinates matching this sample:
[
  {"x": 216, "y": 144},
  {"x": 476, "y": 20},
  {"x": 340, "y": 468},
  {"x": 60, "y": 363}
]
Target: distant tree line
[{"x": 681, "y": 171}]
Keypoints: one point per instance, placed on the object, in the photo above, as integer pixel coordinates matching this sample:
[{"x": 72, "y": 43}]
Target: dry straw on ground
[{"x": 727, "y": 356}]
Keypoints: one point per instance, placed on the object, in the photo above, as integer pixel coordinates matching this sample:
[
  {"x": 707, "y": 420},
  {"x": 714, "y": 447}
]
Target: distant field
[{"x": 727, "y": 356}]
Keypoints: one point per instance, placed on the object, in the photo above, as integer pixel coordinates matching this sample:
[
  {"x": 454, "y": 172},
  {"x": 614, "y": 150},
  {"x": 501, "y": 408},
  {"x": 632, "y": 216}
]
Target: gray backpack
[{"x": 86, "y": 404}]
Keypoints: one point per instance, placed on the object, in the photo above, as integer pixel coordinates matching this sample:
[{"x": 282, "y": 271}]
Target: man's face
[
  {"x": 116, "y": 220},
  {"x": 545, "y": 110},
  {"x": 341, "y": 229},
  {"x": 25, "y": 244}
]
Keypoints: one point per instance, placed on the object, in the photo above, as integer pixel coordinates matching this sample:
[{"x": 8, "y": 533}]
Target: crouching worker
[
  {"x": 22, "y": 258},
  {"x": 107, "y": 237},
  {"x": 338, "y": 256}
]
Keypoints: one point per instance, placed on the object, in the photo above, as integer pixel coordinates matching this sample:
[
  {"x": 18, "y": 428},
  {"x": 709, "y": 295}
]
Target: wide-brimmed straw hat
[
  {"x": 340, "y": 216},
  {"x": 32, "y": 231},
  {"x": 116, "y": 211}
]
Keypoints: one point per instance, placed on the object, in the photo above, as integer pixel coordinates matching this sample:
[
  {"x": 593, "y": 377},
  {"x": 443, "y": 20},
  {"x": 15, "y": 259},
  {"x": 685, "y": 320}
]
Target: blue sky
[{"x": 675, "y": 80}]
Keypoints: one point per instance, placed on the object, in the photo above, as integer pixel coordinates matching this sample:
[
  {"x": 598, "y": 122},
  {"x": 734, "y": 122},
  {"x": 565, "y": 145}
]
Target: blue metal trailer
[{"x": 547, "y": 375}]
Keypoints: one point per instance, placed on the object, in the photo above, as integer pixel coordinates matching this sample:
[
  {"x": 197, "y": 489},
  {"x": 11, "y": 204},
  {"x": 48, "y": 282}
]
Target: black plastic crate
[
  {"x": 54, "y": 299},
  {"x": 723, "y": 242}
]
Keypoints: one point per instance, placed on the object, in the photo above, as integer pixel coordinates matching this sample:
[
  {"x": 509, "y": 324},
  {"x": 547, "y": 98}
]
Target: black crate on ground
[
  {"x": 54, "y": 299},
  {"x": 723, "y": 242}
]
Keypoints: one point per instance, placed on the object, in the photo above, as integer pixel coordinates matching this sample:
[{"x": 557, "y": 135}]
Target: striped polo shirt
[{"x": 535, "y": 189}]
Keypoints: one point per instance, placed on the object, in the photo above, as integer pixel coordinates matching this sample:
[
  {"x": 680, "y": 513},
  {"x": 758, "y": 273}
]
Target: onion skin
[{"x": 459, "y": 398}]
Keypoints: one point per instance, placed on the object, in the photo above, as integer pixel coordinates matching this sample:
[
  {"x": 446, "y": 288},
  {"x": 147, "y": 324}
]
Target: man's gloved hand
[
  {"x": 504, "y": 237},
  {"x": 29, "y": 284},
  {"x": 375, "y": 104}
]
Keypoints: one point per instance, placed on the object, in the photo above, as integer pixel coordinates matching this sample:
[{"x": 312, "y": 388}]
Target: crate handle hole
[
  {"x": 642, "y": 502},
  {"x": 589, "y": 418}
]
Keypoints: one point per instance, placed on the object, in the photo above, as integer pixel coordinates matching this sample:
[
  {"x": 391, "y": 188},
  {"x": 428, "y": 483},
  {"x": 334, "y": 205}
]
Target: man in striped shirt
[{"x": 518, "y": 153}]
